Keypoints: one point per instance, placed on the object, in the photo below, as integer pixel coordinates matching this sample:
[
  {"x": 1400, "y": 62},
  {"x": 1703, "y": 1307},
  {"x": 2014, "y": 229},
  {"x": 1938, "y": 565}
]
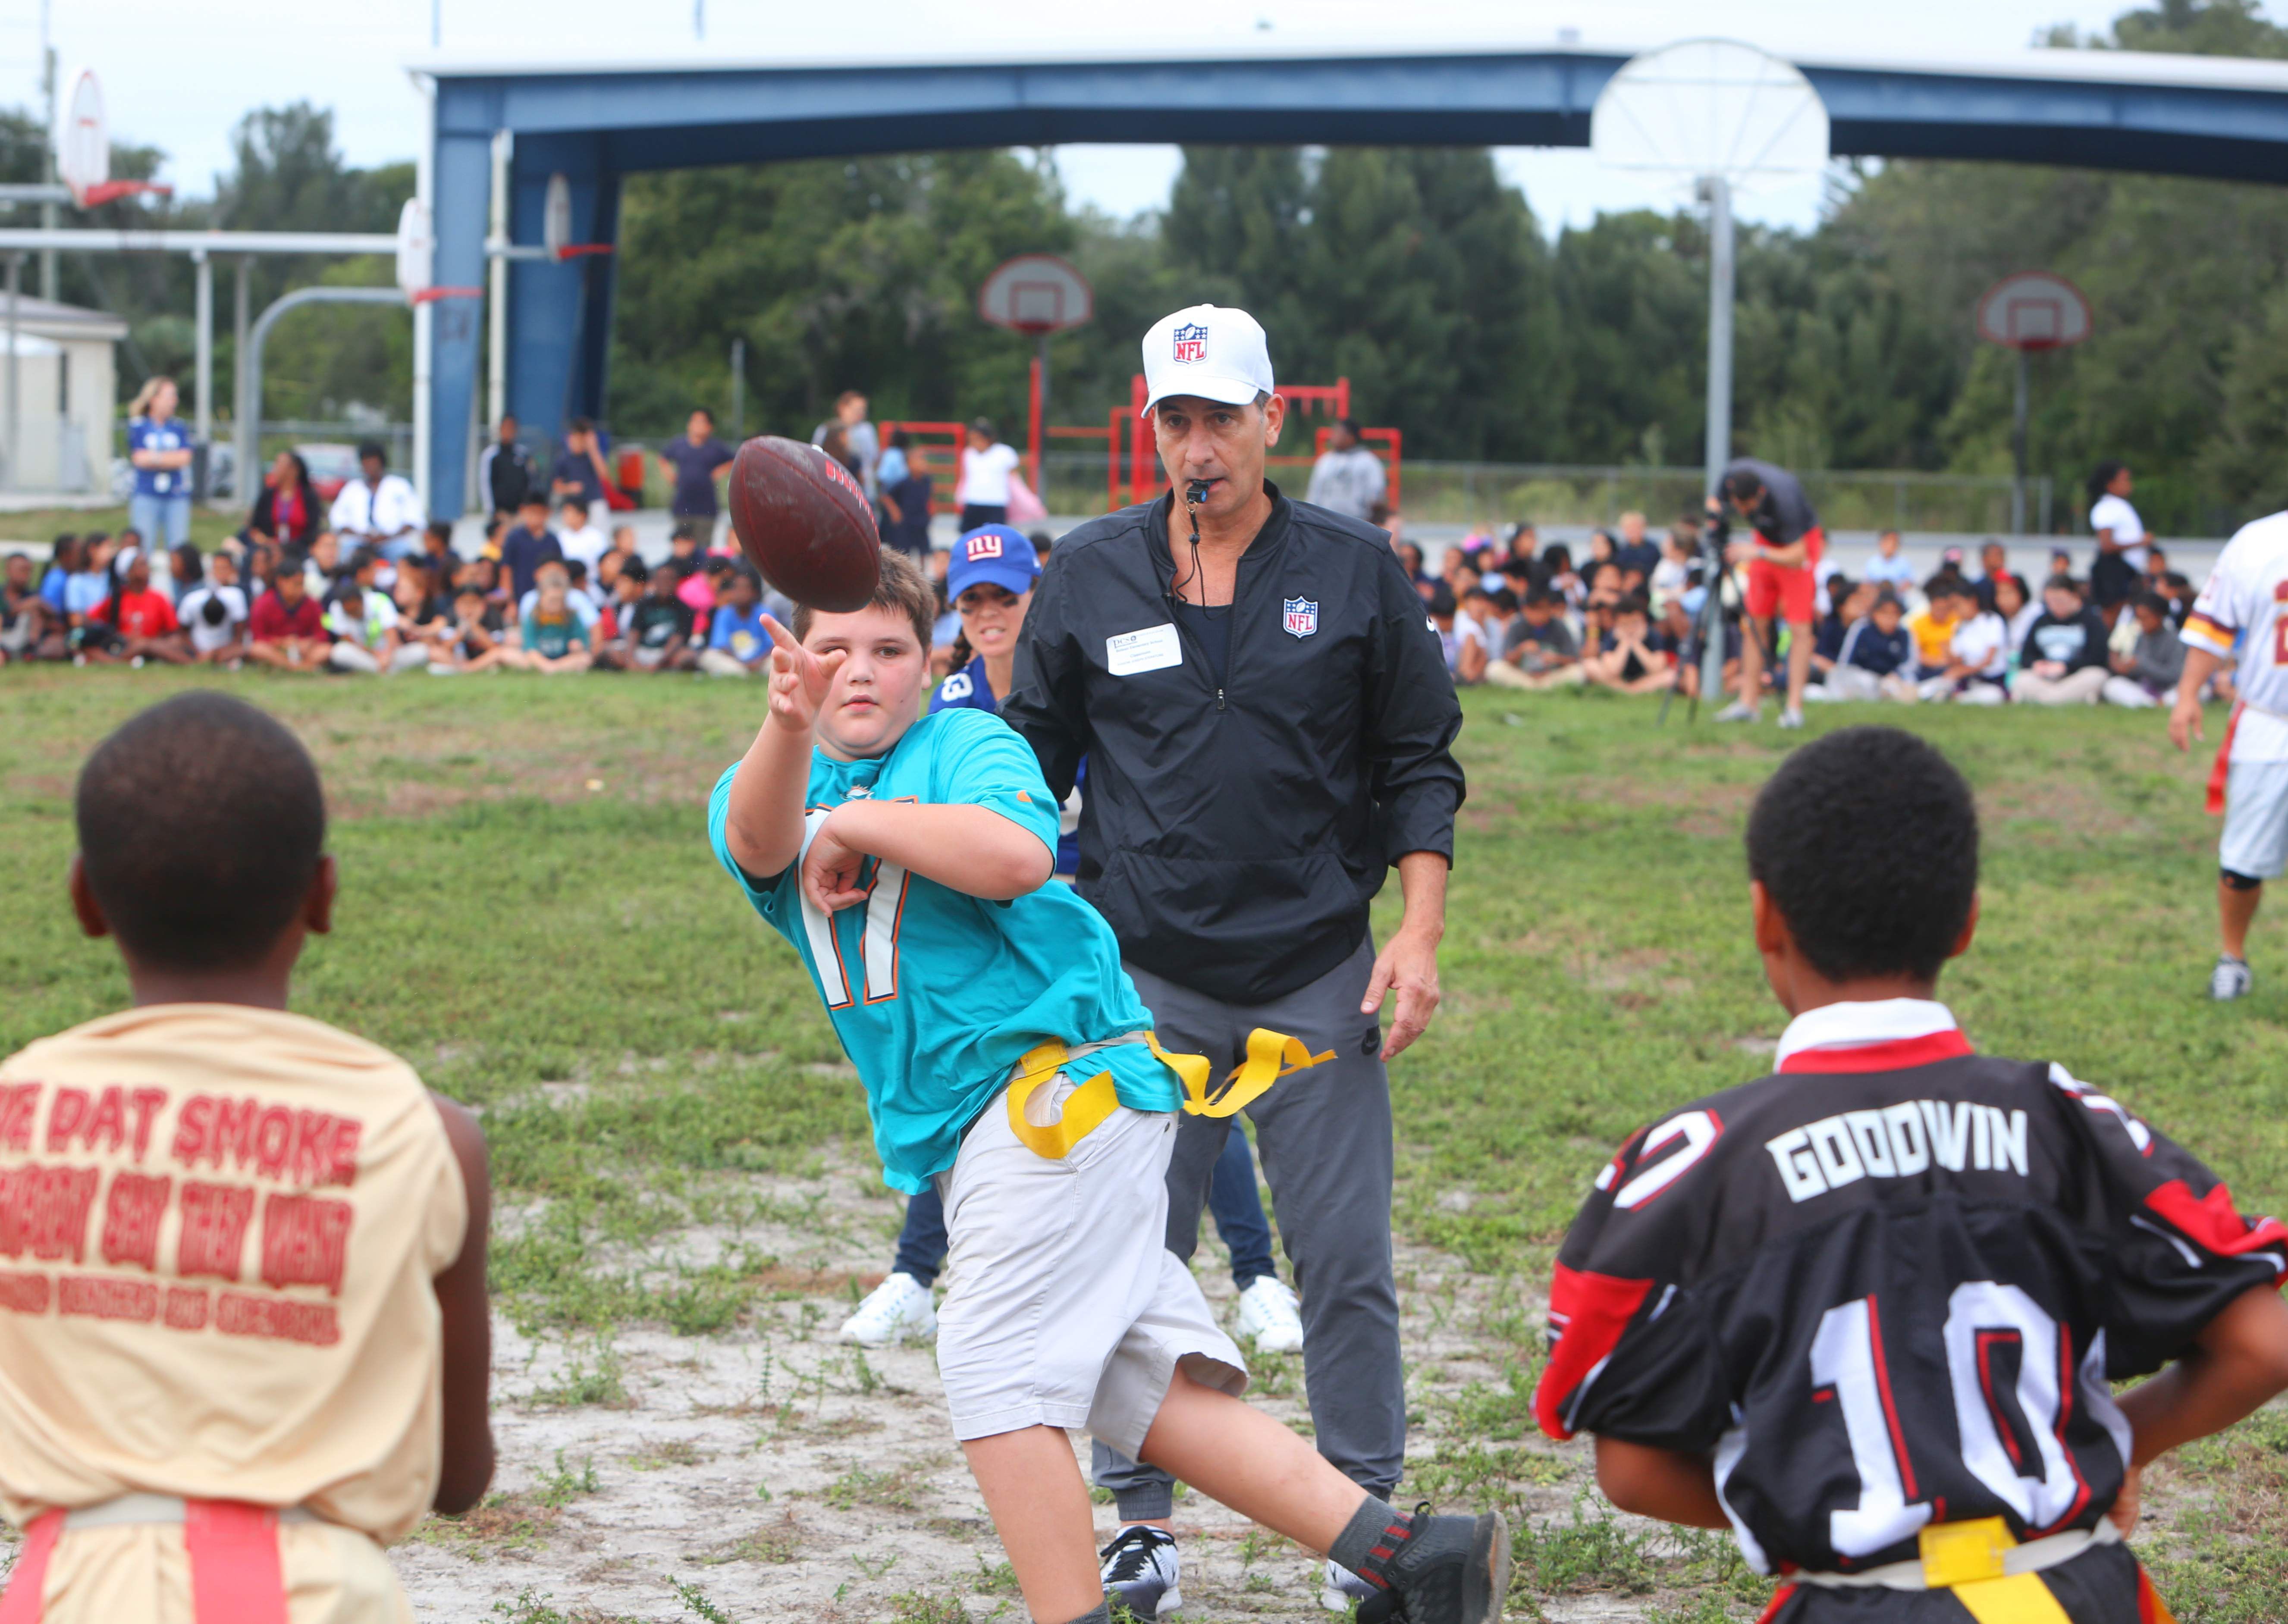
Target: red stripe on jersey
[
  {"x": 2212, "y": 1221},
  {"x": 1779, "y": 1600},
  {"x": 1890, "y": 1410},
  {"x": 1896, "y": 1056},
  {"x": 1594, "y": 1309},
  {"x": 2066, "y": 1377}
]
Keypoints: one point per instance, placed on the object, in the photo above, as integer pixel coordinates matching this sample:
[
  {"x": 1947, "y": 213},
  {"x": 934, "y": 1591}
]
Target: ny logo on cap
[
  {"x": 1192, "y": 344},
  {"x": 1299, "y": 617},
  {"x": 984, "y": 547}
]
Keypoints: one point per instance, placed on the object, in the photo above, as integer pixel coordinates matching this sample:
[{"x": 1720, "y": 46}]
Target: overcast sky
[{"x": 178, "y": 77}]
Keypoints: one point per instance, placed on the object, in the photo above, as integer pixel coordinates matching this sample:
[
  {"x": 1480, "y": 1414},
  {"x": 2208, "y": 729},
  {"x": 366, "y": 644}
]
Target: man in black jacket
[
  {"x": 1267, "y": 720},
  {"x": 504, "y": 472}
]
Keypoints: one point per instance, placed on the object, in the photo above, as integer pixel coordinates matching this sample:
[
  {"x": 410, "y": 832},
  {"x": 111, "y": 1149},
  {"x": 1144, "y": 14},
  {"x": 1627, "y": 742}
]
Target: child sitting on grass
[
  {"x": 1868, "y": 1311},
  {"x": 1005, "y": 1058},
  {"x": 246, "y": 1336}
]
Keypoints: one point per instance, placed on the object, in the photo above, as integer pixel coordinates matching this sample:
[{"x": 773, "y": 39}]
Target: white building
[{"x": 66, "y": 396}]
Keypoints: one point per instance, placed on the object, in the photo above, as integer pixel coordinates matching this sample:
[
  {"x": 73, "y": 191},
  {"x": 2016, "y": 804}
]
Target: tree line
[{"x": 1417, "y": 273}]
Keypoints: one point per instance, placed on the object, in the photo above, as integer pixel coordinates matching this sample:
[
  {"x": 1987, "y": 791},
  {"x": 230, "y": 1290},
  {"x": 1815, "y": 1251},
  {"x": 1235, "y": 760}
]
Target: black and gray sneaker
[
  {"x": 1444, "y": 1570},
  {"x": 1141, "y": 1572}
]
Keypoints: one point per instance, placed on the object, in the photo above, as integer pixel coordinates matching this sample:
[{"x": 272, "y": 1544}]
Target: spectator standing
[
  {"x": 860, "y": 442},
  {"x": 1782, "y": 552},
  {"x": 2063, "y": 657},
  {"x": 527, "y": 545},
  {"x": 738, "y": 645},
  {"x": 986, "y": 465},
  {"x": 285, "y": 513},
  {"x": 286, "y": 630},
  {"x": 214, "y": 614},
  {"x": 1889, "y": 566},
  {"x": 505, "y": 471},
  {"x": 1277, "y": 653},
  {"x": 2121, "y": 538},
  {"x": 578, "y": 470},
  {"x": 695, "y": 460},
  {"x": 1347, "y": 478},
  {"x": 2154, "y": 667},
  {"x": 158, "y": 448},
  {"x": 906, "y": 491},
  {"x": 378, "y": 508}
]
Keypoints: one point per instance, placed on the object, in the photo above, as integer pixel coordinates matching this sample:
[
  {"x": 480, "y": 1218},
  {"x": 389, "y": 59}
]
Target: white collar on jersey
[{"x": 1853, "y": 1025}]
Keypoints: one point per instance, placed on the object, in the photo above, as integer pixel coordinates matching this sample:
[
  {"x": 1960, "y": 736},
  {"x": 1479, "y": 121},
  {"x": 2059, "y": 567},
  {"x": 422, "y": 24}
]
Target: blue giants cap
[{"x": 994, "y": 553}]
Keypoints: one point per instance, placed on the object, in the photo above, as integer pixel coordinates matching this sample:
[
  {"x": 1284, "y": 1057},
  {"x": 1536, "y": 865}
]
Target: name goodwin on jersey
[{"x": 1901, "y": 1141}]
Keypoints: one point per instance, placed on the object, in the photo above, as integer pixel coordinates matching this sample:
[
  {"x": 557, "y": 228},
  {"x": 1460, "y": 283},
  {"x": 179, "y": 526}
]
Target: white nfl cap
[{"x": 1208, "y": 351}]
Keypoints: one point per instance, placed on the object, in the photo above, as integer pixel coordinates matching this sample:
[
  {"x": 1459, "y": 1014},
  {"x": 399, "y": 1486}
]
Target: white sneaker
[
  {"x": 1142, "y": 1572},
  {"x": 1790, "y": 718},
  {"x": 1267, "y": 1312},
  {"x": 1740, "y": 710},
  {"x": 1341, "y": 1588},
  {"x": 2231, "y": 979},
  {"x": 898, "y": 1310}
]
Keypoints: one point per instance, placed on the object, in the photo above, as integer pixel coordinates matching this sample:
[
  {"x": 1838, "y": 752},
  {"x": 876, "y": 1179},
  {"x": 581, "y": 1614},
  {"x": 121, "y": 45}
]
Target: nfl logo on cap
[
  {"x": 1192, "y": 344},
  {"x": 1301, "y": 617}
]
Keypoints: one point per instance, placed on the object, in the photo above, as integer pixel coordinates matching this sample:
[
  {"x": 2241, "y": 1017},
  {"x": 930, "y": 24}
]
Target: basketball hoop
[
  {"x": 2033, "y": 311},
  {"x": 1036, "y": 293},
  {"x": 82, "y": 139},
  {"x": 556, "y": 223}
]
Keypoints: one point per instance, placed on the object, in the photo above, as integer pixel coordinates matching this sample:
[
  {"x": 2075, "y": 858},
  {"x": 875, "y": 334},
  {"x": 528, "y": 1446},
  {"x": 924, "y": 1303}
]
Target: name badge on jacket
[{"x": 1155, "y": 648}]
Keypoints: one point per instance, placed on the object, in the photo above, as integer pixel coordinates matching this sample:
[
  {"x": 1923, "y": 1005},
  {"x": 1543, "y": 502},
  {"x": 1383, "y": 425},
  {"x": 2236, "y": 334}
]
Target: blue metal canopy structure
[{"x": 2164, "y": 114}]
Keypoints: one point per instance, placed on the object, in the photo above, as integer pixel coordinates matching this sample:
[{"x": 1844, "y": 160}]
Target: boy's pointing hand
[{"x": 799, "y": 679}]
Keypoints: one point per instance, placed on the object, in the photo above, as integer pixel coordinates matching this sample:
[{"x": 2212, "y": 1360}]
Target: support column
[
  {"x": 204, "y": 346},
  {"x": 558, "y": 314},
  {"x": 247, "y": 482},
  {"x": 496, "y": 287},
  {"x": 463, "y": 175}
]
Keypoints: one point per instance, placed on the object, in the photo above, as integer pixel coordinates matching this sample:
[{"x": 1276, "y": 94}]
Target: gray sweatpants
[{"x": 1325, "y": 1138}]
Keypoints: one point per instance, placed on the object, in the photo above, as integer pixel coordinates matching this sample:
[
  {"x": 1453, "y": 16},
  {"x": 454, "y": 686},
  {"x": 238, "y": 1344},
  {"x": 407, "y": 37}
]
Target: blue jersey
[
  {"x": 936, "y": 994},
  {"x": 967, "y": 689},
  {"x": 144, "y": 434}
]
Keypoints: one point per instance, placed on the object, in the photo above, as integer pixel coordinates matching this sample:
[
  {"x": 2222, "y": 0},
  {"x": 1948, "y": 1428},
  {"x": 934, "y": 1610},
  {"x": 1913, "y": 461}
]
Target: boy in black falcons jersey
[{"x": 1866, "y": 1310}]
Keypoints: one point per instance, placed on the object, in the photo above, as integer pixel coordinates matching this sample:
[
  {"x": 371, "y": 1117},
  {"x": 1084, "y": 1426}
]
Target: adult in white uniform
[
  {"x": 2121, "y": 539},
  {"x": 2241, "y": 615}
]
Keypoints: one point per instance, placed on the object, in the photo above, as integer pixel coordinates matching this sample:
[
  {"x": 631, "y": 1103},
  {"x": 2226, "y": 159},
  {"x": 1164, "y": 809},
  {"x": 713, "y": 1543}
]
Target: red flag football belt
[{"x": 235, "y": 1576}]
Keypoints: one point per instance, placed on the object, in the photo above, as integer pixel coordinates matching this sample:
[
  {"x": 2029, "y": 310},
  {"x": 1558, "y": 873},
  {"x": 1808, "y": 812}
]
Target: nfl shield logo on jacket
[{"x": 1299, "y": 616}]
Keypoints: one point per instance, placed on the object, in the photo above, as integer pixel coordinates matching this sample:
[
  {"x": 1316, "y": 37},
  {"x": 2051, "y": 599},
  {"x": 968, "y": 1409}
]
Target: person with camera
[{"x": 1782, "y": 552}]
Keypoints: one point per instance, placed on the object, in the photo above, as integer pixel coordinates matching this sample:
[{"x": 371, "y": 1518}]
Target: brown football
[{"x": 803, "y": 521}]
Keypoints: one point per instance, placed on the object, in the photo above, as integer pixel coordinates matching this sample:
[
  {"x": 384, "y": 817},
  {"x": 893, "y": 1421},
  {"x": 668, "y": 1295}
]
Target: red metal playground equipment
[{"x": 1133, "y": 472}]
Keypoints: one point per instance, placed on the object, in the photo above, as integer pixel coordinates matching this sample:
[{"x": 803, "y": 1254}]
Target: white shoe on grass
[
  {"x": 1740, "y": 710},
  {"x": 1143, "y": 1572},
  {"x": 2231, "y": 979},
  {"x": 1340, "y": 1589},
  {"x": 1791, "y": 719},
  {"x": 898, "y": 1310},
  {"x": 1270, "y": 1313}
]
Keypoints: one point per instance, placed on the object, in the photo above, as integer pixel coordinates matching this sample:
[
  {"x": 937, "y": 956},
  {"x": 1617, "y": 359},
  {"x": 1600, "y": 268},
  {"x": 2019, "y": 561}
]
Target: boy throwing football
[
  {"x": 1867, "y": 1312},
  {"x": 1005, "y": 1058}
]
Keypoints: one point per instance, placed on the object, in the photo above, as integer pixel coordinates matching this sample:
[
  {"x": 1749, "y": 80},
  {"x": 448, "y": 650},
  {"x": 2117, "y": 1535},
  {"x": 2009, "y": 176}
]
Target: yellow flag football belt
[
  {"x": 1988, "y": 1570},
  {"x": 1270, "y": 1056}
]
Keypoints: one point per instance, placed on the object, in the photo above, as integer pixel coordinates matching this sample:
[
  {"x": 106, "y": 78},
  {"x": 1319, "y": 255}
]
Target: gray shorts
[{"x": 1063, "y": 1308}]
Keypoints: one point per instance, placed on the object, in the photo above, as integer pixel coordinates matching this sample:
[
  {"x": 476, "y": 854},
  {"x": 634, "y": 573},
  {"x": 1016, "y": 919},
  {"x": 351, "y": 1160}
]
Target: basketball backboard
[
  {"x": 1711, "y": 106},
  {"x": 2033, "y": 311},
  {"x": 1036, "y": 293},
  {"x": 83, "y": 136}
]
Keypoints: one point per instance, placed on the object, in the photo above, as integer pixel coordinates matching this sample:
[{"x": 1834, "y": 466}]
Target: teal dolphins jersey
[{"x": 935, "y": 993}]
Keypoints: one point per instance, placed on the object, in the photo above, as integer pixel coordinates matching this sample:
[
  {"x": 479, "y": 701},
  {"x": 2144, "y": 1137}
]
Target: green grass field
[{"x": 527, "y": 900}]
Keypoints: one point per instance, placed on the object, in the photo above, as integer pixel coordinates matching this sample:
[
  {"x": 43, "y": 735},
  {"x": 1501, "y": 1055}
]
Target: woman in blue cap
[{"x": 989, "y": 583}]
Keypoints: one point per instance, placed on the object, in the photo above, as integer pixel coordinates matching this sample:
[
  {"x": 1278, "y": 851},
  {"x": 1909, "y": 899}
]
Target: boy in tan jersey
[{"x": 243, "y": 1333}]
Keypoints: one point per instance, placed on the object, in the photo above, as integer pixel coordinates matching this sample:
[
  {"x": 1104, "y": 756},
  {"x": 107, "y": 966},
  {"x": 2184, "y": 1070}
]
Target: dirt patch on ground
[{"x": 782, "y": 1475}]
